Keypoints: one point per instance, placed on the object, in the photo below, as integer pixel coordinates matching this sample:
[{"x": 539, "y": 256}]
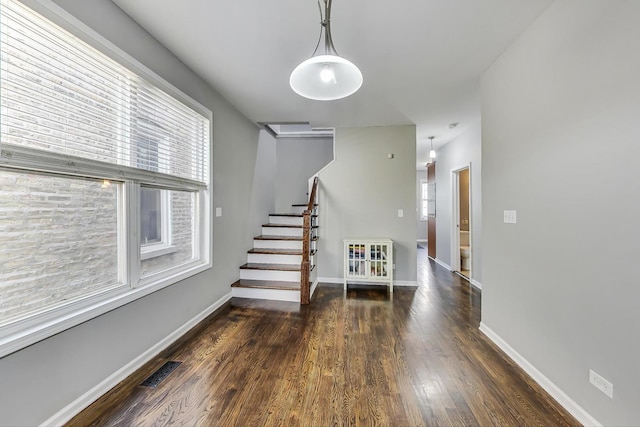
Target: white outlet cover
[
  {"x": 218, "y": 211},
  {"x": 400, "y": 213},
  {"x": 601, "y": 383},
  {"x": 510, "y": 217}
]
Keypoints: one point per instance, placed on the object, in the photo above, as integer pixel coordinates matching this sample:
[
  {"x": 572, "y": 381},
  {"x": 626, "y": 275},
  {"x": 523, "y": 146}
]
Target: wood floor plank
[{"x": 358, "y": 358}]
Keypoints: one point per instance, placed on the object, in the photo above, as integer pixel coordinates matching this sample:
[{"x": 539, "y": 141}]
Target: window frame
[
  {"x": 165, "y": 246},
  {"x": 161, "y": 200},
  {"x": 50, "y": 321}
]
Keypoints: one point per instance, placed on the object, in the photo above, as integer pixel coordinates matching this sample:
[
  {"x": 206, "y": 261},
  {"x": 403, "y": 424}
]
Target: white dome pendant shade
[{"x": 326, "y": 77}]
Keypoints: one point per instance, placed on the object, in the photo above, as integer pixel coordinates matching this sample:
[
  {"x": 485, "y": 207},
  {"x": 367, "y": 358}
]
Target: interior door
[{"x": 431, "y": 210}]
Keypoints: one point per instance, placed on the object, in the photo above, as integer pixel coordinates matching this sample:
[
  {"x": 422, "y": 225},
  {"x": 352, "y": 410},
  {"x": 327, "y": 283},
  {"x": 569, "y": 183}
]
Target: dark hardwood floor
[{"x": 417, "y": 359}]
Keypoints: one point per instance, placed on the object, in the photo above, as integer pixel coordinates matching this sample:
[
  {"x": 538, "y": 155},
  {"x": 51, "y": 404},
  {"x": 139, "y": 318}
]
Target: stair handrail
[
  {"x": 307, "y": 235},
  {"x": 312, "y": 197}
]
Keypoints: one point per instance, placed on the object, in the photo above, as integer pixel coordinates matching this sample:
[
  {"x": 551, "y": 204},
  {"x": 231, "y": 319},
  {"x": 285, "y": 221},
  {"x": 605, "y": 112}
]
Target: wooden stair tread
[
  {"x": 268, "y": 237},
  {"x": 288, "y": 238},
  {"x": 298, "y": 205},
  {"x": 267, "y": 284},
  {"x": 274, "y": 251},
  {"x": 286, "y": 225},
  {"x": 290, "y": 215},
  {"x": 282, "y": 225},
  {"x": 277, "y": 267},
  {"x": 271, "y": 251}
]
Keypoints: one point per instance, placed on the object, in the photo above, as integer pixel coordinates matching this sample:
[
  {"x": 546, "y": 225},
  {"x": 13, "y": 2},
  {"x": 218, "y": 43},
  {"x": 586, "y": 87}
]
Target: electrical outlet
[
  {"x": 400, "y": 213},
  {"x": 509, "y": 217},
  {"x": 601, "y": 384}
]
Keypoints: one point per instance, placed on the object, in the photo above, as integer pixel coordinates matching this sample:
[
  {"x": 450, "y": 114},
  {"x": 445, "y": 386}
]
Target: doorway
[{"x": 461, "y": 241}]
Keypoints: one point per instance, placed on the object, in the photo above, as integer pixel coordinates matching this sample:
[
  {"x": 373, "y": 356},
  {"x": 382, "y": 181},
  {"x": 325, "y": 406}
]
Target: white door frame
[{"x": 455, "y": 218}]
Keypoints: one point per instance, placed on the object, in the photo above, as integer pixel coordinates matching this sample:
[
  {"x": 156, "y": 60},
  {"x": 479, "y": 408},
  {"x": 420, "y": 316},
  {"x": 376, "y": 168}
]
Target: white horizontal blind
[
  {"x": 163, "y": 131},
  {"x": 60, "y": 95}
]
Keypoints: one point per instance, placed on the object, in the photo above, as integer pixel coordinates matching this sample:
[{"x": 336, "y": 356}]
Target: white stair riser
[
  {"x": 289, "y": 220},
  {"x": 298, "y": 209},
  {"x": 278, "y": 244},
  {"x": 282, "y": 231},
  {"x": 269, "y": 294},
  {"x": 285, "y": 276},
  {"x": 273, "y": 259}
]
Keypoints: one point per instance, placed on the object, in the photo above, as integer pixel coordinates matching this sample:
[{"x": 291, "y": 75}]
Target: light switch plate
[
  {"x": 400, "y": 213},
  {"x": 510, "y": 217},
  {"x": 218, "y": 211}
]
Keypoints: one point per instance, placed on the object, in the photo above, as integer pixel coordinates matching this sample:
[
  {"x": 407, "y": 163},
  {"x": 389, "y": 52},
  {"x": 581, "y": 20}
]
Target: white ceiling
[{"x": 421, "y": 59}]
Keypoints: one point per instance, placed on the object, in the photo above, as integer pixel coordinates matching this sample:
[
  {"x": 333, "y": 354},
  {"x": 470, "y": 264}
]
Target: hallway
[{"x": 363, "y": 359}]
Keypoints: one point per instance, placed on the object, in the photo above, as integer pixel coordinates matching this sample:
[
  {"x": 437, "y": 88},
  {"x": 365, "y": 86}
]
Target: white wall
[
  {"x": 463, "y": 150},
  {"x": 560, "y": 144},
  {"x": 298, "y": 159},
  {"x": 39, "y": 381},
  {"x": 361, "y": 192},
  {"x": 421, "y": 226}
]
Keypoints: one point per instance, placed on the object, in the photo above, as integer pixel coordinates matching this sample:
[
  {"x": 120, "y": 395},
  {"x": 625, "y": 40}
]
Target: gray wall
[
  {"x": 263, "y": 188},
  {"x": 421, "y": 226},
  {"x": 361, "y": 192},
  {"x": 461, "y": 151},
  {"x": 298, "y": 159},
  {"x": 560, "y": 140},
  {"x": 40, "y": 380}
]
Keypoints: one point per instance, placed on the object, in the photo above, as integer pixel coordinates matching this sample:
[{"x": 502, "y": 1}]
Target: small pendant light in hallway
[{"x": 432, "y": 152}]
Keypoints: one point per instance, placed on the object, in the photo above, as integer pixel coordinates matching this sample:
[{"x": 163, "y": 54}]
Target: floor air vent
[{"x": 162, "y": 373}]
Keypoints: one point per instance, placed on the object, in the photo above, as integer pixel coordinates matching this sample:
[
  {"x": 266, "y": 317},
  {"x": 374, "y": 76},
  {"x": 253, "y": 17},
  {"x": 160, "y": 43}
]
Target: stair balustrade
[{"x": 308, "y": 244}]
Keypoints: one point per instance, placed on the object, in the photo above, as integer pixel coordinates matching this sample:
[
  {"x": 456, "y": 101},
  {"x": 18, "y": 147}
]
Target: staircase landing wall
[
  {"x": 297, "y": 160},
  {"x": 361, "y": 192}
]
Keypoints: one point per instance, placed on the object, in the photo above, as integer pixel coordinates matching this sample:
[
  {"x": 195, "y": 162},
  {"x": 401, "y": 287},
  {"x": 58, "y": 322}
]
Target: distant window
[{"x": 424, "y": 199}]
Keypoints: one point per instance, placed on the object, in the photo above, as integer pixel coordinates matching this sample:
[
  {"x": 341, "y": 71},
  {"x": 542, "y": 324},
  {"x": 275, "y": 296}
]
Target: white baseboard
[
  {"x": 476, "y": 284},
  {"x": 330, "y": 280},
  {"x": 314, "y": 285},
  {"x": 448, "y": 267},
  {"x": 400, "y": 283},
  {"x": 563, "y": 399},
  {"x": 121, "y": 374},
  {"x": 422, "y": 241}
]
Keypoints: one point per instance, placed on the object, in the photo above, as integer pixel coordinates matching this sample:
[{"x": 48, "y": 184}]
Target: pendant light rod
[
  {"x": 329, "y": 48},
  {"x": 325, "y": 27}
]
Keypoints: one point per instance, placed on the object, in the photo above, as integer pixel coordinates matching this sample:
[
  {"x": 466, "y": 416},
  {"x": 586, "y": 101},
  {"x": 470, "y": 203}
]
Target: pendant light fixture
[
  {"x": 326, "y": 75},
  {"x": 432, "y": 153}
]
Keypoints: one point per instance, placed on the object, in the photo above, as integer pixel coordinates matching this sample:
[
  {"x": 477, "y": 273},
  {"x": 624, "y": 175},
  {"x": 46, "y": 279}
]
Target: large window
[{"x": 104, "y": 179}]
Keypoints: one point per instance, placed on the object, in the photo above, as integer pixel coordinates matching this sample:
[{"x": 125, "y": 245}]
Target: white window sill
[
  {"x": 16, "y": 336},
  {"x": 154, "y": 251}
]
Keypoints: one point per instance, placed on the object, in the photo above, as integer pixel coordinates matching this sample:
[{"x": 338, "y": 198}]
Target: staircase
[{"x": 274, "y": 266}]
